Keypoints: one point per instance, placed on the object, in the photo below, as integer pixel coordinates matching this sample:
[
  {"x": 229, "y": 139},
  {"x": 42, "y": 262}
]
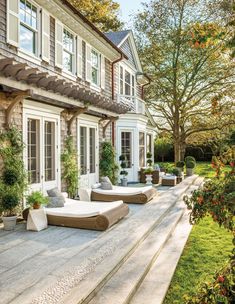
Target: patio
[{"x": 65, "y": 265}]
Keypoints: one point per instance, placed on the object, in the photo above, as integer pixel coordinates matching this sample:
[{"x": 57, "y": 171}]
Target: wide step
[{"x": 121, "y": 287}]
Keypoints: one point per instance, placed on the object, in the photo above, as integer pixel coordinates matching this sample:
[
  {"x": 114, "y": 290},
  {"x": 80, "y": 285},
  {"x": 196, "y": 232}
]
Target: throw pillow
[
  {"x": 106, "y": 186},
  {"x": 106, "y": 179},
  {"x": 55, "y": 192},
  {"x": 56, "y": 202}
]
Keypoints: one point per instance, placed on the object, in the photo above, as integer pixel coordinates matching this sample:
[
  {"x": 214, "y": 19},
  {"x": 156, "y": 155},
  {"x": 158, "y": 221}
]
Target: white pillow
[
  {"x": 84, "y": 194},
  {"x": 96, "y": 186}
]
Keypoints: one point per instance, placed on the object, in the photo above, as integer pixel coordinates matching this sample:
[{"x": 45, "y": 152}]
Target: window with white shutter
[
  {"x": 45, "y": 36},
  {"x": 102, "y": 79},
  {"x": 13, "y": 22},
  {"x": 88, "y": 63},
  {"x": 58, "y": 44},
  {"x": 79, "y": 57}
]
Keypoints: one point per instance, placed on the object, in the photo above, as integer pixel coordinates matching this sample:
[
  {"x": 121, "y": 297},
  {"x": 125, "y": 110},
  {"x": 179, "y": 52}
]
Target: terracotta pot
[{"x": 36, "y": 205}]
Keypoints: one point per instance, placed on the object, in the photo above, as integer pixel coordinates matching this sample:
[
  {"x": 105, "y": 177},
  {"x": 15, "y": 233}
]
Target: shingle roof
[{"x": 117, "y": 37}]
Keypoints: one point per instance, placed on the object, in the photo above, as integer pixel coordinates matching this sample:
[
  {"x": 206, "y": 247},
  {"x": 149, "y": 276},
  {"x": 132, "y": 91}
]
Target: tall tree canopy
[
  {"x": 103, "y": 13},
  {"x": 183, "y": 46}
]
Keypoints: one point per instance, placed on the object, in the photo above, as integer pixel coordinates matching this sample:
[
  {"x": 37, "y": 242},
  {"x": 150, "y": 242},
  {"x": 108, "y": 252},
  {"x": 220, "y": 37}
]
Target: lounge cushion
[{"x": 56, "y": 202}]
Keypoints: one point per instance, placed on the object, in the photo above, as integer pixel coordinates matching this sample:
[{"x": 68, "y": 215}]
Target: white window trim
[
  {"x": 74, "y": 54},
  {"x": 38, "y": 35},
  {"x": 132, "y": 73},
  {"x": 96, "y": 85}
]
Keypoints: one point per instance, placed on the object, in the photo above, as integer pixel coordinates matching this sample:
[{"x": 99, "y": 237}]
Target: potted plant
[
  {"x": 148, "y": 173},
  {"x": 180, "y": 166},
  {"x": 190, "y": 165},
  {"x": 123, "y": 172},
  {"x": 178, "y": 174},
  {"x": 187, "y": 158},
  {"x": 36, "y": 199},
  {"x": 9, "y": 203}
]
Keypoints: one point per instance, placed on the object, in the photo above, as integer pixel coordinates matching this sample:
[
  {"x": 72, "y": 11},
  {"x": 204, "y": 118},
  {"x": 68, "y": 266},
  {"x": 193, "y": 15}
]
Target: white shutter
[
  {"x": 13, "y": 22},
  {"x": 88, "y": 63},
  {"x": 79, "y": 57},
  {"x": 58, "y": 44},
  {"x": 45, "y": 36},
  {"x": 102, "y": 78}
]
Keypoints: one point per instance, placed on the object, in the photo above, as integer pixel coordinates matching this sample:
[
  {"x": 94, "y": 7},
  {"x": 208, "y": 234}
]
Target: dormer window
[
  {"x": 127, "y": 83},
  {"x": 28, "y": 26},
  {"x": 68, "y": 51}
]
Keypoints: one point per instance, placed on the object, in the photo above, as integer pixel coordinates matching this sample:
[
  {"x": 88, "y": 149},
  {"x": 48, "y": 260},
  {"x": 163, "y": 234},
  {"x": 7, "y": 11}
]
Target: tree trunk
[
  {"x": 176, "y": 151},
  {"x": 182, "y": 150}
]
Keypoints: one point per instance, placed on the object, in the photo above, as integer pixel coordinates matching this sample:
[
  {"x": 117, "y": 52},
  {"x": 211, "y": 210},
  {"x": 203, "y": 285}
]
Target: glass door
[
  {"x": 127, "y": 151},
  {"x": 88, "y": 151}
]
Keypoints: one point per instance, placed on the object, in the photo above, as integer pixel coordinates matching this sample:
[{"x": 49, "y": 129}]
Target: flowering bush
[{"x": 217, "y": 199}]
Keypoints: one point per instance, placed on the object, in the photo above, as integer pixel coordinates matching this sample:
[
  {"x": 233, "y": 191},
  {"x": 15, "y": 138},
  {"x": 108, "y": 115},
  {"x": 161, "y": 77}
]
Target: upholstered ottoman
[{"x": 169, "y": 180}]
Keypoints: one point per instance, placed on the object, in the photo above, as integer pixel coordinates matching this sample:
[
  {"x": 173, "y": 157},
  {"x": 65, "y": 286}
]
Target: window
[
  {"x": 28, "y": 27},
  {"x": 149, "y": 143},
  {"x": 121, "y": 80},
  {"x": 95, "y": 66},
  {"x": 49, "y": 146},
  {"x": 127, "y": 83},
  {"x": 126, "y": 148},
  {"x": 83, "y": 150},
  {"x": 33, "y": 151},
  {"x": 68, "y": 51},
  {"x": 141, "y": 150}
]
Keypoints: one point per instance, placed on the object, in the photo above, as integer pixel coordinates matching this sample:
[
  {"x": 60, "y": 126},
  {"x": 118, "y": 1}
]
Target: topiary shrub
[
  {"x": 180, "y": 164},
  {"x": 189, "y": 158},
  {"x": 108, "y": 164},
  {"x": 9, "y": 202},
  {"x": 10, "y": 176},
  {"x": 176, "y": 172},
  {"x": 190, "y": 164}
]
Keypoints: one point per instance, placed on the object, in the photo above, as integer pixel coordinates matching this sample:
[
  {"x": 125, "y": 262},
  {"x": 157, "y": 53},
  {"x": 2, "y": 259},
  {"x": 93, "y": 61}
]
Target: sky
[{"x": 128, "y": 7}]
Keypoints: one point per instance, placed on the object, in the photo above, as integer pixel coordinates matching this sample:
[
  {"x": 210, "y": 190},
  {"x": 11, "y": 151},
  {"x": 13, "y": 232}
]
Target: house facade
[{"x": 59, "y": 76}]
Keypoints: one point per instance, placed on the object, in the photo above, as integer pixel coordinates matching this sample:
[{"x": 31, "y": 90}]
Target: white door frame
[
  {"x": 87, "y": 180},
  {"x": 35, "y": 110}
]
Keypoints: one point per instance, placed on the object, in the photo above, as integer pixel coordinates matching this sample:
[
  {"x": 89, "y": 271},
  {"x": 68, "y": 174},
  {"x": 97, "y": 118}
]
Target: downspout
[
  {"x": 142, "y": 89},
  {"x": 113, "y": 63}
]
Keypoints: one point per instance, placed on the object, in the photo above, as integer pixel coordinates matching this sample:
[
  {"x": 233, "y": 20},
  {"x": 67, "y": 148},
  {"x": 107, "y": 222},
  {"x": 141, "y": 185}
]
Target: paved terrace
[{"x": 48, "y": 266}]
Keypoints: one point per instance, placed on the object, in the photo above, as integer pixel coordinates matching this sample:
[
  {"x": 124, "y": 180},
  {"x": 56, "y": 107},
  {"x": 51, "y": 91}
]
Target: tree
[
  {"x": 162, "y": 147},
  {"x": 183, "y": 47},
  {"x": 103, "y": 13}
]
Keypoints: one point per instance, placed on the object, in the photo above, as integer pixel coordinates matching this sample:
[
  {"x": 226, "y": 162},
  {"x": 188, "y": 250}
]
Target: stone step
[
  {"x": 156, "y": 283},
  {"x": 80, "y": 278},
  {"x": 124, "y": 283}
]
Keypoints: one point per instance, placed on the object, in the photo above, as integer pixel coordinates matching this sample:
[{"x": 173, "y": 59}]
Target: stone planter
[
  {"x": 9, "y": 222},
  {"x": 189, "y": 171},
  {"x": 124, "y": 182},
  {"x": 149, "y": 179}
]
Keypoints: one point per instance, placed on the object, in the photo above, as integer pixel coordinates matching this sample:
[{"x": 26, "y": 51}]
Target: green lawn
[{"x": 207, "y": 249}]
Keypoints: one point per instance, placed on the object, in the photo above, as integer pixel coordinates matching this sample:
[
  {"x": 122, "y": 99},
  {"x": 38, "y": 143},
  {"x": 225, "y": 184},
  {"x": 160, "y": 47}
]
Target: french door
[
  {"x": 88, "y": 153},
  {"x": 42, "y": 153},
  {"x": 126, "y": 149}
]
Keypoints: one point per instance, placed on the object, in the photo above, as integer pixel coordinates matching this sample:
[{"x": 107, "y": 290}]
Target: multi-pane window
[
  {"x": 33, "y": 151},
  {"x": 95, "y": 67},
  {"x": 121, "y": 80},
  {"x": 141, "y": 149},
  {"x": 92, "y": 149},
  {"x": 126, "y": 147},
  {"x": 127, "y": 83},
  {"x": 28, "y": 27},
  {"x": 149, "y": 143},
  {"x": 68, "y": 51},
  {"x": 49, "y": 150},
  {"x": 83, "y": 150}
]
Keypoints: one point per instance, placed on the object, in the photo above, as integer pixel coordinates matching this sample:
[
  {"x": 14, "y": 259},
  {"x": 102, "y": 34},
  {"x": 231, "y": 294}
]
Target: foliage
[
  {"x": 149, "y": 159},
  {"x": 190, "y": 164},
  {"x": 217, "y": 198},
  {"x": 167, "y": 166},
  {"x": 9, "y": 202},
  {"x": 37, "y": 197},
  {"x": 176, "y": 172},
  {"x": 70, "y": 174},
  {"x": 187, "y": 158},
  {"x": 183, "y": 47},
  {"x": 180, "y": 164},
  {"x": 148, "y": 170},
  {"x": 108, "y": 165},
  {"x": 103, "y": 13},
  {"x": 122, "y": 159},
  {"x": 162, "y": 147},
  {"x": 13, "y": 180}
]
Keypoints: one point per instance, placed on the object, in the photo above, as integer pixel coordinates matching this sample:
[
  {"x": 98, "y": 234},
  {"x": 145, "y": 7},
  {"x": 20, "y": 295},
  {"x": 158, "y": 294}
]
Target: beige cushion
[{"x": 106, "y": 186}]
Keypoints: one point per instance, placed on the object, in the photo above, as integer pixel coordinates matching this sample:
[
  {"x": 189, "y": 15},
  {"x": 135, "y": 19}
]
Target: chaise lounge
[{"x": 135, "y": 195}]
